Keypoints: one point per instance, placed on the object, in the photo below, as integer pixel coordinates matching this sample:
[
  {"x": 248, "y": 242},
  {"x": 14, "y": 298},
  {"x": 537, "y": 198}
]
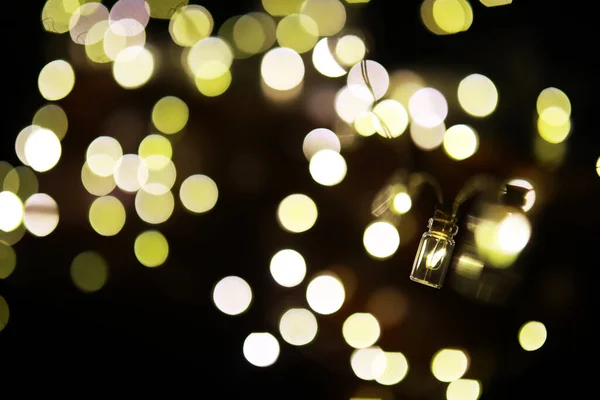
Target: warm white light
[
  {"x": 288, "y": 268},
  {"x": 232, "y": 295},
  {"x": 325, "y": 294},
  {"x": 298, "y": 326},
  {"x": 328, "y": 167},
  {"x": 42, "y": 150},
  {"x": 381, "y": 239},
  {"x": 261, "y": 349},
  {"x": 11, "y": 211}
]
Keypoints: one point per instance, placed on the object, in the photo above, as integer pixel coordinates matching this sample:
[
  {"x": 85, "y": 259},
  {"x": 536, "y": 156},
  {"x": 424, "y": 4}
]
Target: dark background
[{"x": 158, "y": 329}]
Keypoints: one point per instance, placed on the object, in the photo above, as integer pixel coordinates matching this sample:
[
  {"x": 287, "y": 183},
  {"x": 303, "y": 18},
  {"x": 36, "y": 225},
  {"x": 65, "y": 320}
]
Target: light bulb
[{"x": 435, "y": 251}]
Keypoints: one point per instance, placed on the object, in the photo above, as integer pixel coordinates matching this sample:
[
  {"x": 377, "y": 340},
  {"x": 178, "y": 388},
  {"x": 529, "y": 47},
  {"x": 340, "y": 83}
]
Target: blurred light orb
[
  {"x": 155, "y": 145},
  {"x": 366, "y": 124},
  {"x": 135, "y": 14},
  {"x": 427, "y": 139},
  {"x": 452, "y": 16},
  {"x": 95, "y": 184},
  {"x": 350, "y": 103},
  {"x": 404, "y": 83},
  {"x": 392, "y": 118},
  {"x": 350, "y": 50},
  {"x": 288, "y": 268},
  {"x": 107, "y": 216},
  {"x": 4, "y": 313},
  {"x": 530, "y": 196},
  {"x": 21, "y": 140},
  {"x": 428, "y": 107},
  {"x": 402, "y": 203},
  {"x": 53, "y": 118},
  {"x": 170, "y": 115},
  {"x": 448, "y": 365},
  {"x": 532, "y": 335},
  {"x": 131, "y": 173},
  {"x": 42, "y": 150},
  {"x": 84, "y": 18},
  {"x": 325, "y": 294},
  {"x": 396, "y": 368},
  {"x": 381, "y": 239},
  {"x": 298, "y": 326},
  {"x": 552, "y": 133},
  {"x": 151, "y": 248},
  {"x": 598, "y": 166},
  {"x": 463, "y": 389},
  {"x": 281, "y": 8},
  {"x": 552, "y": 97},
  {"x": 118, "y": 37},
  {"x": 56, "y": 15},
  {"x": 328, "y": 167},
  {"x": 102, "y": 155},
  {"x": 368, "y": 364},
  {"x": 514, "y": 232},
  {"x": 210, "y": 58},
  {"x": 8, "y": 260},
  {"x": 189, "y": 24},
  {"x": 261, "y": 349},
  {"x": 164, "y": 9},
  {"x": 320, "y": 139},
  {"x": 378, "y": 77},
  {"x": 330, "y": 15},
  {"x": 361, "y": 330},
  {"x": 133, "y": 67},
  {"x": 41, "y": 215},
  {"x": 89, "y": 271},
  {"x": 298, "y": 32},
  {"x": 282, "y": 68},
  {"x": 198, "y": 193},
  {"x": 254, "y": 32},
  {"x": 232, "y": 295},
  {"x": 477, "y": 95},
  {"x": 460, "y": 142},
  {"x": 56, "y": 80},
  {"x": 161, "y": 175},
  {"x": 215, "y": 86},
  {"x": 11, "y": 211},
  {"x": 297, "y": 213},
  {"x": 325, "y": 62},
  {"x": 154, "y": 208}
]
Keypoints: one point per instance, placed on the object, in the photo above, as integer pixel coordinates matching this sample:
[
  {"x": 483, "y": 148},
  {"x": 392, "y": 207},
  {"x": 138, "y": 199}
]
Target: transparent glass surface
[{"x": 432, "y": 260}]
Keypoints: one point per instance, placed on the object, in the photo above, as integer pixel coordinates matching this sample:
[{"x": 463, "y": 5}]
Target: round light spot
[
  {"x": 298, "y": 326},
  {"x": 232, "y": 295},
  {"x": 261, "y": 349},
  {"x": 56, "y": 80},
  {"x": 554, "y": 97},
  {"x": 449, "y": 365},
  {"x": 107, "y": 216},
  {"x": 402, "y": 203},
  {"x": 298, "y": 32},
  {"x": 368, "y": 364},
  {"x": 155, "y": 145},
  {"x": 210, "y": 58},
  {"x": 102, "y": 155},
  {"x": 427, "y": 138},
  {"x": 154, "y": 209},
  {"x": 381, "y": 239},
  {"x": 89, "y": 271},
  {"x": 53, "y": 118},
  {"x": 375, "y": 73},
  {"x": 350, "y": 50},
  {"x": 282, "y": 69},
  {"x": 361, "y": 330},
  {"x": 392, "y": 118},
  {"x": 151, "y": 249},
  {"x": 325, "y": 294},
  {"x": 41, "y": 215},
  {"x": 131, "y": 173},
  {"x": 350, "y": 103},
  {"x": 198, "y": 193},
  {"x": 297, "y": 213},
  {"x": 11, "y": 211},
  {"x": 325, "y": 62},
  {"x": 42, "y": 150},
  {"x": 463, "y": 389},
  {"x": 215, "y": 86},
  {"x": 320, "y": 139},
  {"x": 396, "y": 368},
  {"x": 288, "y": 268},
  {"x": 460, "y": 142},
  {"x": 428, "y": 107},
  {"x": 328, "y": 167},
  {"x": 170, "y": 115},
  {"x": 133, "y": 67},
  {"x": 190, "y": 24},
  {"x": 532, "y": 335},
  {"x": 8, "y": 260},
  {"x": 477, "y": 95}
]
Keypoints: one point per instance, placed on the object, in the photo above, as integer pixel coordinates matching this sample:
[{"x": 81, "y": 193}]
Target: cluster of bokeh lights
[{"x": 371, "y": 101}]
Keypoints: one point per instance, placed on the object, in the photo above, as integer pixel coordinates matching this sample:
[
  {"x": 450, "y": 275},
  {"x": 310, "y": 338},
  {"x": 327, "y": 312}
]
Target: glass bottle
[{"x": 435, "y": 251}]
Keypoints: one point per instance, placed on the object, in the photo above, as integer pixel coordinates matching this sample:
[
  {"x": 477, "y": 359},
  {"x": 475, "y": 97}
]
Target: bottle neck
[{"x": 442, "y": 224}]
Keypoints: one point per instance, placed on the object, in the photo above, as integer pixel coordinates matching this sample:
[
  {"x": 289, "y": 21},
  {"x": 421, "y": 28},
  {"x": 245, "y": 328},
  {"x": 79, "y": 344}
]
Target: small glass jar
[{"x": 435, "y": 252}]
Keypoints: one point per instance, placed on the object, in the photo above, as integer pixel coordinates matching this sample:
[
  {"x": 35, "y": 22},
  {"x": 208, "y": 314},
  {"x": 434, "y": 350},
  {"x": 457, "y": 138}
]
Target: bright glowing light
[
  {"x": 328, "y": 167},
  {"x": 532, "y": 335},
  {"x": 288, "y": 268},
  {"x": 42, "y": 150},
  {"x": 11, "y": 211},
  {"x": 361, "y": 330},
  {"x": 449, "y": 365},
  {"x": 232, "y": 295},
  {"x": 261, "y": 349},
  {"x": 325, "y": 294},
  {"x": 298, "y": 326},
  {"x": 381, "y": 239}
]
